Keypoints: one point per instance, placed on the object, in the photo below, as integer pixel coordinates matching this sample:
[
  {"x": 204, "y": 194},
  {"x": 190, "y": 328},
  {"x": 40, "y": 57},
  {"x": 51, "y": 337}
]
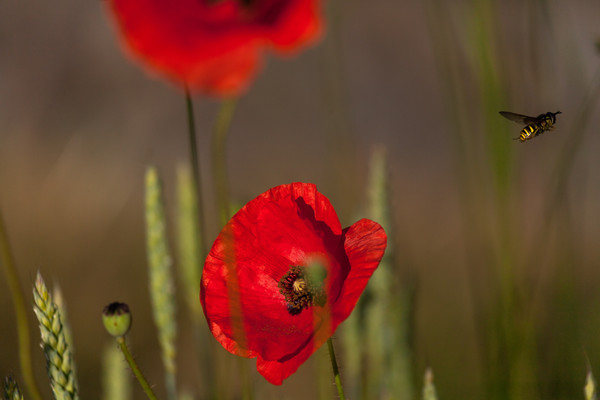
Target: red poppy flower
[
  {"x": 214, "y": 46},
  {"x": 283, "y": 274}
]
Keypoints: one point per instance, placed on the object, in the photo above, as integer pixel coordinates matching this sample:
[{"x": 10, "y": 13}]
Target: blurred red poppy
[
  {"x": 213, "y": 46},
  {"x": 283, "y": 274}
]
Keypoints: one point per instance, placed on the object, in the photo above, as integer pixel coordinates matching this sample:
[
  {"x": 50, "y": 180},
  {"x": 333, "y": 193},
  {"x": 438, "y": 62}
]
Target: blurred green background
[{"x": 496, "y": 242}]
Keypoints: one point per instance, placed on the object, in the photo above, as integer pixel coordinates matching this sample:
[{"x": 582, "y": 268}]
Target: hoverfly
[{"x": 534, "y": 125}]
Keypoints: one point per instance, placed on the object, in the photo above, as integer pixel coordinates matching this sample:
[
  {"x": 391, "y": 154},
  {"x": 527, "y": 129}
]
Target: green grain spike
[
  {"x": 590, "y": 387},
  {"x": 60, "y": 304},
  {"x": 59, "y": 361},
  {"x": 10, "y": 389},
  {"x": 387, "y": 306},
  {"x": 161, "y": 279},
  {"x": 428, "y": 387}
]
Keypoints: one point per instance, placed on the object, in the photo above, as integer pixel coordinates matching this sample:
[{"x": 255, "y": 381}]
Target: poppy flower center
[{"x": 302, "y": 287}]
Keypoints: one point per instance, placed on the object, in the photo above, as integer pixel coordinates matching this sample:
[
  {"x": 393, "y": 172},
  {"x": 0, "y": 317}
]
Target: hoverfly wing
[{"x": 522, "y": 119}]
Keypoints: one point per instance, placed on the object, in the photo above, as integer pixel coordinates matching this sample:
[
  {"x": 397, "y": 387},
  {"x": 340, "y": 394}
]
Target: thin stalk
[
  {"x": 336, "y": 371},
  {"x": 134, "y": 368},
  {"x": 201, "y": 249},
  {"x": 196, "y": 170},
  {"x": 219, "y": 150},
  {"x": 221, "y": 182},
  {"x": 116, "y": 380},
  {"x": 12, "y": 278}
]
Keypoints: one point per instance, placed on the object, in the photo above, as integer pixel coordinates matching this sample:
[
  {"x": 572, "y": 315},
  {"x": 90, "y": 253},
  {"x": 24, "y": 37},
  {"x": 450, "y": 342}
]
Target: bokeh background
[{"x": 496, "y": 242}]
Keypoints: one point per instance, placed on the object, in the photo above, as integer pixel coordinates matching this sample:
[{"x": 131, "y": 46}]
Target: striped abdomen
[
  {"x": 545, "y": 123},
  {"x": 530, "y": 131}
]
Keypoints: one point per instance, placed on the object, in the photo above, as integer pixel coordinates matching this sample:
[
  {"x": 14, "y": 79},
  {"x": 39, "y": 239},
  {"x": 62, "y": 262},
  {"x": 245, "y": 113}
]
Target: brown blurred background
[{"x": 79, "y": 123}]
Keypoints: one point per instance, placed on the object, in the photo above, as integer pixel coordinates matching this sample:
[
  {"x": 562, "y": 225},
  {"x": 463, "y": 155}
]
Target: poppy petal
[
  {"x": 298, "y": 27},
  {"x": 365, "y": 243},
  {"x": 276, "y": 371}
]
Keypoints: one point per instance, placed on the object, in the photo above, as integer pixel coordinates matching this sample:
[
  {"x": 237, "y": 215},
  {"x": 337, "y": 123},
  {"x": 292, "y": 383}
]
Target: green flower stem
[
  {"x": 12, "y": 279},
  {"x": 336, "y": 371},
  {"x": 219, "y": 147},
  {"x": 134, "y": 368},
  {"x": 221, "y": 182},
  {"x": 116, "y": 380},
  {"x": 196, "y": 170},
  {"x": 189, "y": 259}
]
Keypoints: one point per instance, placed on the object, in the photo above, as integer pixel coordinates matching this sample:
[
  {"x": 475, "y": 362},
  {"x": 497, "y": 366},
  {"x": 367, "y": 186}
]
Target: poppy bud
[{"x": 117, "y": 319}]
